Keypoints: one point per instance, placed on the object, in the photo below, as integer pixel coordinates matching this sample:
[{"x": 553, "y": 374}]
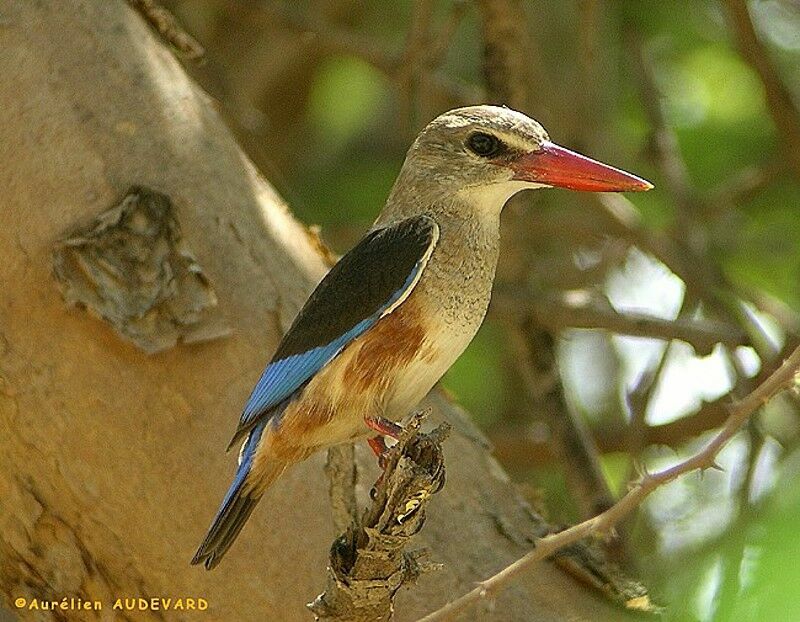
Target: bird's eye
[{"x": 484, "y": 145}]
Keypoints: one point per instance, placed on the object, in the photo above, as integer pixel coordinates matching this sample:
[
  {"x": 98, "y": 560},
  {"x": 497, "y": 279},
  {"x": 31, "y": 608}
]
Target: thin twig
[
  {"x": 740, "y": 413},
  {"x": 439, "y": 48},
  {"x": 335, "y": 40},
  {"x": 742, "y": 186},
  {"x": 786, "y": 316},
  {"x": 640, "y": 400},
  {"x": 516, "y": 446},
  {"x": 685, "y": 252},
  {"x": 703, "y": 280},
  {"x": 331, "y": 38},
  {"x": 413, "y": 62},
  {"x": 668, "y": 155},
  {"x": 169, "y": 28}
]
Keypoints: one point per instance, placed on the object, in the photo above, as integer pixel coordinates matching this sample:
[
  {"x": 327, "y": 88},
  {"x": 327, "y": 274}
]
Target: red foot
[{"x": 384, "y": 426}]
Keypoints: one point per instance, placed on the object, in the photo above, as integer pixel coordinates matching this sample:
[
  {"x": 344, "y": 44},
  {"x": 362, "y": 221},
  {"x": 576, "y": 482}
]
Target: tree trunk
[{"x": 112, "y": 460}]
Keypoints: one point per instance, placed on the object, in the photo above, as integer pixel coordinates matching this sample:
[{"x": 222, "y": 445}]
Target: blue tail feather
[{"x": 235, "y": 509}]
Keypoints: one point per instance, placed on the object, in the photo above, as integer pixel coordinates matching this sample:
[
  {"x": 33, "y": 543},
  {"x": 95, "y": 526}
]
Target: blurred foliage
[{"x": 321, "y": 95}]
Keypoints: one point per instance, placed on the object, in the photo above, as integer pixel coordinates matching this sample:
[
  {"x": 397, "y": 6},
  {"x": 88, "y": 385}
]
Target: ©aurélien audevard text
[{"x": 137, "y": 603}]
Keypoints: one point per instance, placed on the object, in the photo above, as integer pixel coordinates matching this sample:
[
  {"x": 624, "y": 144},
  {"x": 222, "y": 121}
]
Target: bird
[{"x": 396, "y": 311}]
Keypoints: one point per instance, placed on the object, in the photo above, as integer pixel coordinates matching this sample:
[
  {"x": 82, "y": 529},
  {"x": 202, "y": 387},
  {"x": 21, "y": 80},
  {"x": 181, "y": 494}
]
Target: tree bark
[{"x": 111, "y": 459}]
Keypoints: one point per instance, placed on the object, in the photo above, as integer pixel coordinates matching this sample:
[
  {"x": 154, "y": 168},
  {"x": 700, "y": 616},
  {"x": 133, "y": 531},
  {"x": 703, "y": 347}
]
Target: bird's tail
[{"x": 238, "y": 503}]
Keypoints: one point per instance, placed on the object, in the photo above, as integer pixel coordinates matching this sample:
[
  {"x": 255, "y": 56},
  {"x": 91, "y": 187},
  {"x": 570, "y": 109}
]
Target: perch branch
[
  {"x": 740, "y": 413},
  {"x": 368, "y": 563}
]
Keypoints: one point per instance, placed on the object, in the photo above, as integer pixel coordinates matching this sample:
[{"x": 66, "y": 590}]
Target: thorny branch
[
  {"x": 740, "y": 412},
  {"x": 369, "y": 563}
]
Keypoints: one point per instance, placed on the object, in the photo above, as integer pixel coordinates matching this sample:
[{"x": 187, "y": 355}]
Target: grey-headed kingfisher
[{"x": 395, "y": 312}]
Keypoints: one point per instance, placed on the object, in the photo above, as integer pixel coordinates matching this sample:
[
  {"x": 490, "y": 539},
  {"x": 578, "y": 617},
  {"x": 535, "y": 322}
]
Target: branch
[
  {"x": 742, "y": 186},
  {"x": 740, "y": 412},
  {"x": 685, "y": 252},
  {"x": 703, "y": 280},
  {"x": 413, "y": 61},
  {"x": 334, "y": 40},
  {"x": 571, "y": 438},
  {"x": 639, "y": 401},
  {"x": 557, "y": 313},
  {"x": 330, "y": 38},
  {"x": 779, "y": 101},
  {"x": 508, "y": 52},
  {"x": 516, "y": 447},
  {"x": 667, "y": 151},
  {"x": 368, "y": 563},
  {"x": 444, "y": 38}
]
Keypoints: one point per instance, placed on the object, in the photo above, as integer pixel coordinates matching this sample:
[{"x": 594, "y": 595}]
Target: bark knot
[{"x": 132, "y": 268}]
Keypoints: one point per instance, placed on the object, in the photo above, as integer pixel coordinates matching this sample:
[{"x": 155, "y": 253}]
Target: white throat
[{"x": 491, "y": 198}]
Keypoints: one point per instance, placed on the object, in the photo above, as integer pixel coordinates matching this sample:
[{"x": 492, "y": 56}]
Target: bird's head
[{"x": 485, "y": 154}]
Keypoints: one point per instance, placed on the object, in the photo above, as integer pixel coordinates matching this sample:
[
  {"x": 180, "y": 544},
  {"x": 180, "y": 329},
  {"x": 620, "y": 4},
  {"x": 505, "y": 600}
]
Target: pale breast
[{"x": 413, "y": 382}]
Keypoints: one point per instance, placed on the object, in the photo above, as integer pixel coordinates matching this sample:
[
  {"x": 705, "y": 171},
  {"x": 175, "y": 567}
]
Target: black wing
[{"x": 367, "y": 283}]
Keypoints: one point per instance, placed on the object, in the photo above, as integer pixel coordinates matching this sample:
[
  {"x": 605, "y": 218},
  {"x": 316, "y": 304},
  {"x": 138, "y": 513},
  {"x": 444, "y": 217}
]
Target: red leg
[
  {"x": 377, "y": 445},
  {"x": 384, "y": 426}
]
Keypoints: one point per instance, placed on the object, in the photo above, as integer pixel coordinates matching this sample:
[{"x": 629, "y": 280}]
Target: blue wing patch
[
  {"x": 366, "y": 284},
  {"x": 282, "y": 378}
]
